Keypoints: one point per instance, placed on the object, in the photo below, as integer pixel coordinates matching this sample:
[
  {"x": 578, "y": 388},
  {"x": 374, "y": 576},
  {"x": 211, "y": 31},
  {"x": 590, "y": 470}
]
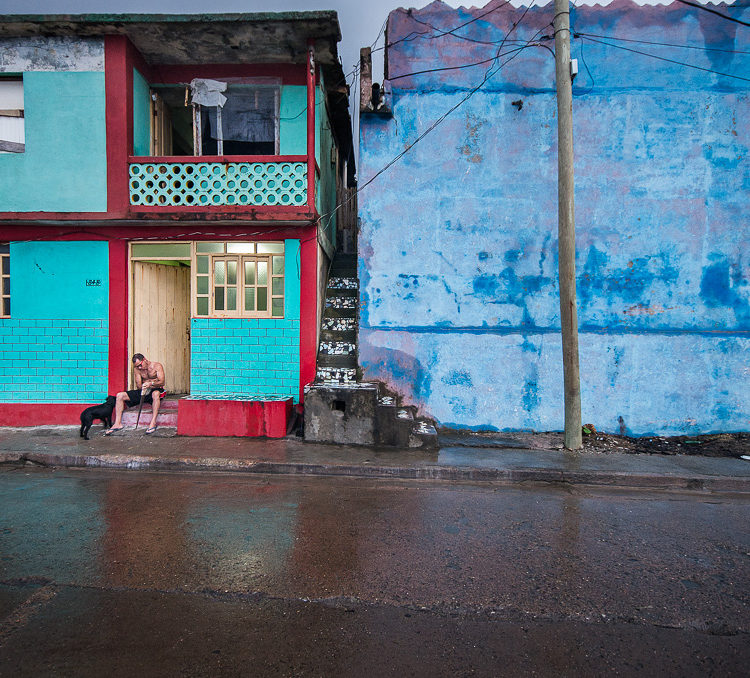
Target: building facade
[
  {"x": 458, "y": 240},
  {"x": 166, "y": 187}
]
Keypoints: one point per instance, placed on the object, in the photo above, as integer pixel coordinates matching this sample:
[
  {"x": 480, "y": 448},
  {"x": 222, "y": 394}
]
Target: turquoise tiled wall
[
  {"x": 250, "y": 356},
  {"x": 53, "y": 361},
  {"x": 255, "y": 357}
]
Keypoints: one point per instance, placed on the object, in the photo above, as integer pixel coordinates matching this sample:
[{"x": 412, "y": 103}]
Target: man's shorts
[{"x": 134, "y": 397}]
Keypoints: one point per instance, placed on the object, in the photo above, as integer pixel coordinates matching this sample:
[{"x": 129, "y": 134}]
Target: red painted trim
[
  {"x": 57, "y": 216},
  {"x": 218, "y": 158},
  {"x": 209, "y": 213},
  {"x": 38, "y": 414},
  {"x": 118, "y": 316},
  {"x": 153, "y": 230},
  {"x": 310, "y": 72},
  {"x": 118, "y": 84},
  {"x": 233, "y": 418},
  {"x": 137, "y": 61},
  {"x": 290, "y": 74},
  {"x": 308, "y": 326},
  {"x": 247, "y": 212}
]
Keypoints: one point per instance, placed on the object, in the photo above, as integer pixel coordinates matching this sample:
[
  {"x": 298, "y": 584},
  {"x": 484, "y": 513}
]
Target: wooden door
[
  {"x": 161, "y": 320},
  {"x": 161, "y": 126}
]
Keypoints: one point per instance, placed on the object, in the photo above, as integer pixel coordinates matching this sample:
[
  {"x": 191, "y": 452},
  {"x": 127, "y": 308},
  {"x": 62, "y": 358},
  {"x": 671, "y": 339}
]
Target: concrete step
[
  {"x": 424, "y": 435},
  {"x": 332, "y": 348},
  {"x": 336, "y": 324},
  {"x": 165, "y": 417},
  {"x": 167, "y": 413},
  {"x": 342, "y": 300},
  {"x": 343, "y": 283},
  {"x": 349, "y": 360},
  {"x": 341, "y": 414},
  {"x": 331, "y": 312},
  {"x": 331, "y": 335},
  {"x": 393, "y": 423},
  {"x": 330, "y": 293},
  {"x": 336, "y": 375}
]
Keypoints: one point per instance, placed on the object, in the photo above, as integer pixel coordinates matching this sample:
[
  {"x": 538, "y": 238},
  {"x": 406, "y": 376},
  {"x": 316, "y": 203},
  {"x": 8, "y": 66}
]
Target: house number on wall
[{"x": 93, "y": 283}]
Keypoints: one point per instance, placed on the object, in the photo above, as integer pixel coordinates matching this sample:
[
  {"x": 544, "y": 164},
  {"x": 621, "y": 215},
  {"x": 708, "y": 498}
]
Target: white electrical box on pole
[{"x": 566, "y": 226}]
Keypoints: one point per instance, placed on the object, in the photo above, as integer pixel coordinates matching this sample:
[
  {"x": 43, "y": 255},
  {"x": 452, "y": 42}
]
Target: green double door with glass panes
[{"x": 239, "y": 280}]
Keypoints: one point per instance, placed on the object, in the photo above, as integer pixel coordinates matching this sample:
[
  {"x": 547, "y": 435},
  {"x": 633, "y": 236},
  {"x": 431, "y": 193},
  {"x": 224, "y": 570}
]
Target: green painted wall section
[
  {"x": 293, "y": 120},
  {"x": 292, "y": 266},
  {"x": 64, "y": 166},
  {"x": 53, "y": 280},
  {"x": 141, "y": 115},
  {"x": 293, "y": 123}
]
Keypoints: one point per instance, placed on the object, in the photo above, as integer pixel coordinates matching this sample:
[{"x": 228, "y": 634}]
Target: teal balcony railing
[{"x": 198, "y": 182}]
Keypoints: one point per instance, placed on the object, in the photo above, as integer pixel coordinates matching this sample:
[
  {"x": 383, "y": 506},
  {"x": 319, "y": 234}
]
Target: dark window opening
[
  {"x": 249, "y": 121},
  {"x": 338, "y": 406}
]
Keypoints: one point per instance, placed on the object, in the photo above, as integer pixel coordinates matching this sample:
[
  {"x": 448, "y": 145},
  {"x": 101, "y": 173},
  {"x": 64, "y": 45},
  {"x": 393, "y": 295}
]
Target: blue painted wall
[
  {"x": 64, "y": 167},
  {"x": 251, "y": 357},
  {"x": 55, "y": 346},
  {"x": 458, "y": 241}
]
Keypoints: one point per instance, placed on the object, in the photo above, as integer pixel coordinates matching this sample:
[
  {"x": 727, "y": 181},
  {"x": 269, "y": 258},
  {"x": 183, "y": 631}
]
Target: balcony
[{"x": 182, "y": 183}]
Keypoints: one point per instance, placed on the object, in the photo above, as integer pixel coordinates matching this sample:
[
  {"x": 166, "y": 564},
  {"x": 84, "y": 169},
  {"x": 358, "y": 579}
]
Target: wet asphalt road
[{"x": 147, "y": 574}]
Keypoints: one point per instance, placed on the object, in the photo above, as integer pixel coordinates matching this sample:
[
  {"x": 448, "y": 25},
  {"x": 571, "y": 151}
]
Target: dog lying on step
[{"x": 102, "y": 412}]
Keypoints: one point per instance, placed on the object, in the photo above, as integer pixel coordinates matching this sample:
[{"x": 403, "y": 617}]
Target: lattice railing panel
[{"x": 207, "y": 184}]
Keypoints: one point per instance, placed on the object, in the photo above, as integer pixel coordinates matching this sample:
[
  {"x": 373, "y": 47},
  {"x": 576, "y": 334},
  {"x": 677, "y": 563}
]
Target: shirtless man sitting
[{"x": 149, "y": 377}]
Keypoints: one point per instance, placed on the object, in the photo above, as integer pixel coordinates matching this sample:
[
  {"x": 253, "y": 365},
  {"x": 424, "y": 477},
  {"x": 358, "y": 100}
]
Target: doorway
[{"x": 161, "y": 318}]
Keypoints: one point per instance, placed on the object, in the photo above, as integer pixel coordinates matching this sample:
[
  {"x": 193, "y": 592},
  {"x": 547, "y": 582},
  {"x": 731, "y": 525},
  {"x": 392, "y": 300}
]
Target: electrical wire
[
  {"x": 415, "y": 34},
  {"x": 713, "y": 11},
  {"x": 660, "y": 44},
  {"x": 672, "y": 61},
  {"x": 453, "y": 68}
]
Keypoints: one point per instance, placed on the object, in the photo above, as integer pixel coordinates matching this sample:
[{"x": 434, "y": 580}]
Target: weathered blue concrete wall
[
  {"x": 458, "y": 241},
  {"x": 64, "y": 166}
]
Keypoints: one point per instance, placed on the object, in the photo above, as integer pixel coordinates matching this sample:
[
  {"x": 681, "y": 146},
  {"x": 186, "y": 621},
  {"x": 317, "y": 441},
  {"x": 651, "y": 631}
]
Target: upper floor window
[
  {"x": 4, "y": 280},
  {"x": 234, "y": 116},
  {"x": 247, "y": 123},
  {"x": 12, "y": 132}
]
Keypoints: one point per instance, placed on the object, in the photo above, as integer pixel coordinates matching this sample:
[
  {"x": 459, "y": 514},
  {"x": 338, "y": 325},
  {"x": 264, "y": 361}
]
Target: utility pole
[{"x": 566, "y": 233}]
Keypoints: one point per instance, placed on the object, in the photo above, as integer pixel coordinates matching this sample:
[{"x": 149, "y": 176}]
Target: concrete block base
[
  {"x": 341, "y": 415},
  {"x": 233, "y": 417}
]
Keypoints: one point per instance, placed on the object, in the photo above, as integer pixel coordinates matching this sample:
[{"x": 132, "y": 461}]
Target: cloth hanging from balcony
[{"x": 208, "y": 92}]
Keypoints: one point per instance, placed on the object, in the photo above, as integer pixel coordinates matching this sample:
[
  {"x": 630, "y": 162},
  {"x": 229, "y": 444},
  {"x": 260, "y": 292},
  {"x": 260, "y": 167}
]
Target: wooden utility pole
[{"x": 566, "y": 233}]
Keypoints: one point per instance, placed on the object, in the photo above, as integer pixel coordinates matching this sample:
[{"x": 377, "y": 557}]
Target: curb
[{"x": 694, "y": 482}]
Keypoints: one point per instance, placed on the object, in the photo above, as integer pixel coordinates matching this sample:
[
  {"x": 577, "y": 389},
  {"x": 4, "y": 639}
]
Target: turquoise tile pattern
[
  {"x": 244, "y": 357},
  {"x": 53, "y": 360}
]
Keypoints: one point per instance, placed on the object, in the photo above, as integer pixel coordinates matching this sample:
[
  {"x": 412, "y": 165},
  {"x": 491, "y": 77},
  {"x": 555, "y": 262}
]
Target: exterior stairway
[{"x": 339, "y": 408}]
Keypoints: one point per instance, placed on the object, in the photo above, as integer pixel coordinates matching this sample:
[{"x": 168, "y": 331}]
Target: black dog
[{"x": 102, "y": 412}]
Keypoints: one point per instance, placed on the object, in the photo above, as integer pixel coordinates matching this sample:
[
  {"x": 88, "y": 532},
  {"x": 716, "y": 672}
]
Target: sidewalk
[{"x": 521, "y": 458}]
